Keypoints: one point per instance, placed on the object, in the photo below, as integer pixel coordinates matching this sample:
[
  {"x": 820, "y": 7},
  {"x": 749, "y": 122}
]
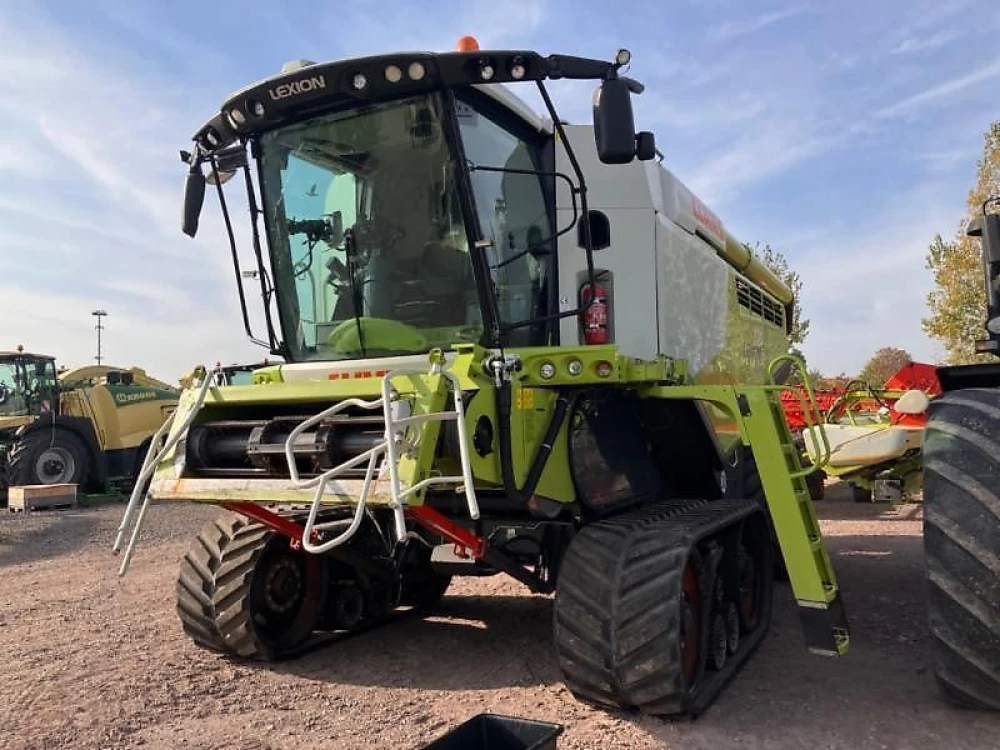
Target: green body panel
[
  {"x": 430, "y": 395},
  {"x": 751, "y": 344}
]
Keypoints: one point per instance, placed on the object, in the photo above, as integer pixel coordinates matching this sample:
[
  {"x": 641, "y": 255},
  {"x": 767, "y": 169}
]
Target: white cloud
[
  {"x": 865, "y": 286},
  {"x": 94, "y": 221},
  {"x": 940, "y": 92},
  {"x": 917, "y": 44},
  {"x": 733, "y": 29}
]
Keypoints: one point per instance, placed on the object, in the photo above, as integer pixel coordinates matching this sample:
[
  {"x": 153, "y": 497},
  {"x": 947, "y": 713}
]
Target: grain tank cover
[{"x": 686, "y": 210}]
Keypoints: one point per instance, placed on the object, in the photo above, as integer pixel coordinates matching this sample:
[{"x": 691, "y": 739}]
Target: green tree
[
  {"x": 884, "y": 364},
  {"x": 957, "y": 304}
]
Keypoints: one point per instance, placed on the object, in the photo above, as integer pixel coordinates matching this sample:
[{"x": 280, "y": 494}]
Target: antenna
[{"x": 98, "y": 314}]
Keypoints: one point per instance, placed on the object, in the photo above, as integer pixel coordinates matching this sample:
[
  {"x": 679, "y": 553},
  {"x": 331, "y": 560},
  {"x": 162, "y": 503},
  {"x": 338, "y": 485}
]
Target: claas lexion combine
[{"x": 511, "y": 345}]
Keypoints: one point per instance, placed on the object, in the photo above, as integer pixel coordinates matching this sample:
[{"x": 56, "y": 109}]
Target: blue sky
[{"x": 844, "y": 134}]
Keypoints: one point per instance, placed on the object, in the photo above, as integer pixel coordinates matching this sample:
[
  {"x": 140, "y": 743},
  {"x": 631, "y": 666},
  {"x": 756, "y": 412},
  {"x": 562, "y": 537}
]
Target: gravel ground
[{"x": 91, "y": 661}]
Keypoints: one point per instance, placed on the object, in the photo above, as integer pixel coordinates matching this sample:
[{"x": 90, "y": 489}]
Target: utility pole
[{"x": 99, "y": 314}]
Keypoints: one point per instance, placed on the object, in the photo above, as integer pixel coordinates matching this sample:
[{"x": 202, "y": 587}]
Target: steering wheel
[{"x": 4, "y": 393}]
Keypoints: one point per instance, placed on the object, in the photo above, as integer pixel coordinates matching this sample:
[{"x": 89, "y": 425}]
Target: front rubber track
[
  {"x": 962, "y": 544},
  {"x": 618, "y": 608},
  {"x": 216, "y": 598}
]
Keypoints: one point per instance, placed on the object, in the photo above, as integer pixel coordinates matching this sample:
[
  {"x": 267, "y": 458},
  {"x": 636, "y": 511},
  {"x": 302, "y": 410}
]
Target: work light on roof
[
  {"x": 255, "y": 108},
  {"x": 623, "y": 57},
  {"x": 416, "y": 71},
  {"x": 359, "y": 81},
  {"x": 393, "y": 74},
  {"x": 517, "y": 69},
  {"x": 237, "y": 117},
  {"x": 486, "y": 71}
]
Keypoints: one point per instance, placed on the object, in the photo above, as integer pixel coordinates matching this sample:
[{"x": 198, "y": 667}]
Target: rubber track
[
  {"x": 962, "y": 544},
  {"x": 617, "y": 609},
  {"x": 213, "y": 582}
]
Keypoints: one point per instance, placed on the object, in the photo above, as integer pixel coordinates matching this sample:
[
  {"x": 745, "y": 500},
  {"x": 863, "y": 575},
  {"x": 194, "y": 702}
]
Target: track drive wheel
[
  {"x": 962, "y": 544},
  {"x": 243, "y": 591}
]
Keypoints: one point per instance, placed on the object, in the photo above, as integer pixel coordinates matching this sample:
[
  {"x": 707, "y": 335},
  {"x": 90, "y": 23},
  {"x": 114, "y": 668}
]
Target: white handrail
[{"x": 153, "y": 457}]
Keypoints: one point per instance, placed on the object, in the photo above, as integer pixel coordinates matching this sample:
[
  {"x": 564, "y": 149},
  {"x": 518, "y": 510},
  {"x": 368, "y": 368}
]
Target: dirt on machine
[
  {"x": 89, "y": 426},
  {"x": 512, "y": 345}
]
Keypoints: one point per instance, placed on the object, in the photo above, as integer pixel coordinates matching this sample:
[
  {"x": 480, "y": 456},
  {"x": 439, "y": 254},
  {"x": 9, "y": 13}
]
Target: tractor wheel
[
  {"x": 243, "y": 591},
  {"x": 421, "y": 586},
  {"x": 816, "y": 484},
  {"x": 962, "y": 544},
  {"x": 48, "y": 457}
]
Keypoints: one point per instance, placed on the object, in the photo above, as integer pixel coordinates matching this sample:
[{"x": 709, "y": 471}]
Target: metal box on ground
[
  {"x": 497, "y": 732},
  {"x": 41, "y": 496}
]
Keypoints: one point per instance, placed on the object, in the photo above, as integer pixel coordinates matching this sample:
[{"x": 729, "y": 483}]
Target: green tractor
[
  {"x": 511, "y": 345},
  {"x": 962, "y": 505}
]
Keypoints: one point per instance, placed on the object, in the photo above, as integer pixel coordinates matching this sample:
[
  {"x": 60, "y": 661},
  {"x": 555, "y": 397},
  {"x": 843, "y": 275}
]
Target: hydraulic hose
[{"x": 503, "y": 404}]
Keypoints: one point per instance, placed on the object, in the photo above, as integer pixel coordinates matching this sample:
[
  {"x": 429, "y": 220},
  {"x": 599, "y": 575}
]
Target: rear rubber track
[
  {"x": 618, "y": 608},
  {"x": 962, "y": 544}
]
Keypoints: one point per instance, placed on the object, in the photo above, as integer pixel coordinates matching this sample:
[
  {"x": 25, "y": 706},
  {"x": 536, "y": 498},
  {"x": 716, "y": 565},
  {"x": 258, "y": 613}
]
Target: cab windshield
[
  {"x": 27, "y": 386},
  {"x": 369, "y": 245}
]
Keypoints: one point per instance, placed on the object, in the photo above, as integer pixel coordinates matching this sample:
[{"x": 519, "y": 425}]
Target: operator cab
[
  {"x": 407, "y": 204},
  {"x": 28, "y": 384}
]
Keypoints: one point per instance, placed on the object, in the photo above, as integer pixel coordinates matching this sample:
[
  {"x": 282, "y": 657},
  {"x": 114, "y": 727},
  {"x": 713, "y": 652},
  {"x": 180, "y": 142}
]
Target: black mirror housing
[
  {"x": 645, "y": 146},
  {"x": 614, "y": 125},
  {"x": 194, "y": 199}
]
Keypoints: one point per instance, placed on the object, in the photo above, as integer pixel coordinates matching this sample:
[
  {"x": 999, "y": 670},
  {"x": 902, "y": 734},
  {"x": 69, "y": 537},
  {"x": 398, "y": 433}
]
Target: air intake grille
[{"x": 760, "y": 305}]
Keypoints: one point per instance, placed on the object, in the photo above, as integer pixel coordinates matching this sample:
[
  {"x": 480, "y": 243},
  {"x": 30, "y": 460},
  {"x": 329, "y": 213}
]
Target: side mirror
[
  {"x": 614, "y": 125},
  {"x": 194, "y": 199},
  {"x": 645, "y": 146}
]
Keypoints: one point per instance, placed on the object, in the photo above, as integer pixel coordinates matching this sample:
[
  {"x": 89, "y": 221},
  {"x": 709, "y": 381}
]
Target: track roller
[{"x": 645, "y": 602}]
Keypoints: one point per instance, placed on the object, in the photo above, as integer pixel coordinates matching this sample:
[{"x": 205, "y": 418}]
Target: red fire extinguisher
[{"x": 595, "y": 316}]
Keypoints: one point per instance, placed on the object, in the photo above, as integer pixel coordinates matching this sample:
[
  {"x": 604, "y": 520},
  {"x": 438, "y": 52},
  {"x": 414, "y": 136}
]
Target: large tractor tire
[
  {"x": 962, "y": 544},
  {"x": 243, "y": 591},
  {"x": 48, "y": 456}
]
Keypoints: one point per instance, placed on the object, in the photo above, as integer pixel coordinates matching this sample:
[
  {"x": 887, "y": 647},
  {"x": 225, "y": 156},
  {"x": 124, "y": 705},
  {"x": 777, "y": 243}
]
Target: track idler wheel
[{"x": 242, "y": 590}]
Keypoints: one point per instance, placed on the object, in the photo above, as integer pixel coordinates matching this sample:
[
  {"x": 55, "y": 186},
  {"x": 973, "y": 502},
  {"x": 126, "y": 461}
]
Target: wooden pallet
[{"x": 41, "y": 497}]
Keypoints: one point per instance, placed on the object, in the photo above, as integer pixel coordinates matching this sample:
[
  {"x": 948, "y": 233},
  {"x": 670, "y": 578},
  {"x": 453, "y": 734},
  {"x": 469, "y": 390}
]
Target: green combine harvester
[{"x": 511, "y": 345}]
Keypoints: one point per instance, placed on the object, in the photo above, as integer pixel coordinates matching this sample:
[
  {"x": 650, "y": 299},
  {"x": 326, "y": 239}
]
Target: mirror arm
[{"x": 580, "y": 190}]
